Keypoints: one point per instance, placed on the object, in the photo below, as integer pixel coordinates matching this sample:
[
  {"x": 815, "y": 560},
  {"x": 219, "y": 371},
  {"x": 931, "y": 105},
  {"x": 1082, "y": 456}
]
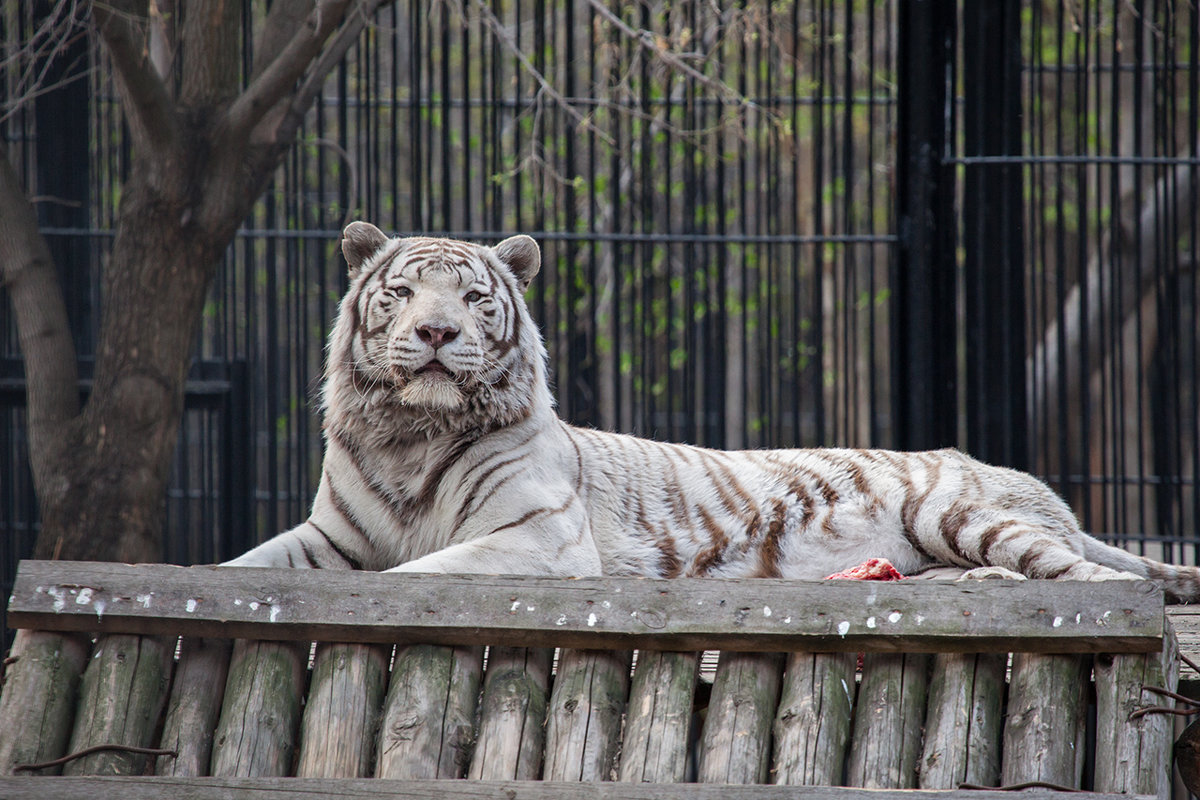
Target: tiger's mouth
[
  {"x": 432, "y": 369},
  {"x": 433, "y": 386}
]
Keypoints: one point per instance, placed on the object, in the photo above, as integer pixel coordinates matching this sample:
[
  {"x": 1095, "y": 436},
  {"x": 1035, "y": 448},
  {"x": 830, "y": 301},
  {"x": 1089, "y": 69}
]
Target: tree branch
[
  {"x": 283, "y": 19},
  {"x": 543, "y": 83},
  {"x": 278, "y": 79},
  {"x": 285, "y": 126},
  {"x": 148, "y": 105},
  {"x": 27, "y": 272},
  {"x": 650, "y": 43},
  {"x": 54, "y": 35}
]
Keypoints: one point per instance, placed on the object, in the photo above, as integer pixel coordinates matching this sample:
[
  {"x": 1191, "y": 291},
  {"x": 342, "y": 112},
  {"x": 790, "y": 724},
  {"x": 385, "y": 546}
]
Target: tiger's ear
[
  {"x": 360, "y": 241},
  {"x": 521, "y": 255}
]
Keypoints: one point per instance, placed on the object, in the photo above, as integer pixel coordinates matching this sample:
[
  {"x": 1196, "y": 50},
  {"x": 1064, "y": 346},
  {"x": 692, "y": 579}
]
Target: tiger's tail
[{"x": 1181, "y": 583}]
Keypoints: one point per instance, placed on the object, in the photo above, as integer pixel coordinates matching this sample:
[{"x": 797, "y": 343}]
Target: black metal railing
[{"x": 820, "y": 223}]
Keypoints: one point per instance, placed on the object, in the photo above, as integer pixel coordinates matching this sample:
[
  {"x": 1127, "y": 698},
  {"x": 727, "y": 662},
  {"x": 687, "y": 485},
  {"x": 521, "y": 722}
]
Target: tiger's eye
[
  {"x": 403, "y": 291},
  {"x": 472, "y": 297}
]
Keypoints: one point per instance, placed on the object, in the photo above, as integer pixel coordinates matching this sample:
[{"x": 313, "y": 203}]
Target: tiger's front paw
[{"x": 991, "y": 573}]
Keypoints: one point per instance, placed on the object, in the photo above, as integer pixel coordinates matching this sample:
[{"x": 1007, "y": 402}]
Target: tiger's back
[
  {"x": 806, "y": 513},
  {"x": 444, "y": 454}
]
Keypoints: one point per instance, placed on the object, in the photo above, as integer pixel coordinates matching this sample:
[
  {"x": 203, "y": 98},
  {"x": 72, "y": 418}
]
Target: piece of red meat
[{"x": 873, "y": 569}]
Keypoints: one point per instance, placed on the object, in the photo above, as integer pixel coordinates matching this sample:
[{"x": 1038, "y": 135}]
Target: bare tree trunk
[
  {"x": 204, "y": 145},
  {"x": 113, "y": 461},
  {"x": 29, "y": 277}
]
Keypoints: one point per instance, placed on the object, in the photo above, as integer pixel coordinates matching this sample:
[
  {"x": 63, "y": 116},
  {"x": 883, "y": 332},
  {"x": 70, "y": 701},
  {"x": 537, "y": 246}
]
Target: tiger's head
[{"x": 433, "y": 334}]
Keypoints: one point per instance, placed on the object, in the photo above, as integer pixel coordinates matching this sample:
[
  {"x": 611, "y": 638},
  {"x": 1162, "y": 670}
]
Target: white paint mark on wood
[
  {"x": 145, "y": 599},
  {"x": 1058, "y": 621},
  {"x": 766, "y": 611},
  {"x": 562, "y": 620},
  {"x": 591, "y": 620},
  {"x": 60, "y": 599},
  {"x": 516, "y": 604},
  {"x": 871, "y": 623},
  {"x": 274, "y": 612},
  {"x": 843, "y": 628},
  {"x": 85, "y": 597},
  {"x": 191, "y": 605},
  {"x": 894, "y": 617}
]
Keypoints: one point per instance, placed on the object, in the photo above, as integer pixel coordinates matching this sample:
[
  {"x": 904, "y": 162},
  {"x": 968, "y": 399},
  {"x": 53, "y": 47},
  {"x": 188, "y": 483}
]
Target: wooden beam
[
  {"x": 153, "y": 788},
  {"x": 1186, "y": 620},
  {"x": 618, "y": 613}
]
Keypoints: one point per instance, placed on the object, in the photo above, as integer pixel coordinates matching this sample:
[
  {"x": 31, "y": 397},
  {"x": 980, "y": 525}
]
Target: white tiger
[{"x": 444, "y": 454}]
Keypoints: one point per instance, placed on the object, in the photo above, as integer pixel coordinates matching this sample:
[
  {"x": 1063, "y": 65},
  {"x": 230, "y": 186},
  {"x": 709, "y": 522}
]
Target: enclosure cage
[{"x": 853, "y": 223}]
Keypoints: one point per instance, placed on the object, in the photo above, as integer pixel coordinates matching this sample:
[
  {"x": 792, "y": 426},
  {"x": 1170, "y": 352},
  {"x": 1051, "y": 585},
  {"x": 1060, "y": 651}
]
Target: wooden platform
[{"x": 421, "y": 678}]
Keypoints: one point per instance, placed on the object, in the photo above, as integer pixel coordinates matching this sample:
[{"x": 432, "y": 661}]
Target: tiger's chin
[{"x": 433, "y": 392}]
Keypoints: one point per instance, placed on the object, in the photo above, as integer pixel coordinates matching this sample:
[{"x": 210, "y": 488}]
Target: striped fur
[{"x": 465, "y": 467}]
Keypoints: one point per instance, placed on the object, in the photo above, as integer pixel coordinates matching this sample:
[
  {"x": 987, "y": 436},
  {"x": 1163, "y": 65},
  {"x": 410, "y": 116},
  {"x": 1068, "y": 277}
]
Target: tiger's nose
[{"x": 435, "y": 335}]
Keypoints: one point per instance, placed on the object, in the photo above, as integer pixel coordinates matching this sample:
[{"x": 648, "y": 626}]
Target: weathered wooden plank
[
  {"x": 605, "y": 613},
  {"x": 37, "y": 708},
  {"x": 1131, "y": 755},
  {"x": 736, "y": 741},
  {"x": 658, "y": 724},
  {"x": 256, "y": 734},
  {"x": 812, "y": 726},
  {"x": 341, "y": 716},
  {"x": 428, "y": 726},
  {"x": 963, "y": 721},
  {"x": 195, "y": 704},
  {"x": 512, "y": 733},
  {"x": 120, "y": 698},
  {"x": 102, "y": 788},
  {"x": 888, "y": 717},
  {"x": 1043, "y": 733},
  {"x": 583, "y": 722},
  {"x": 1185, "y": 620}
]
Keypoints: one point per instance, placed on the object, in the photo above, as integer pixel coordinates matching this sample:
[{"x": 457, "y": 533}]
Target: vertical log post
[
  {"x": 120, "y": 699},
  {"x": 512, "y": 731},
  {"x": 658, "y": 724},
  {"x": 583, "y": 726},
  {"x": 963, "y": 721},
  {"x": 256, "y": 735},
  {"x": 195, "y": 704},
  {"x": 37, "y": 708},
  {"x": 1043, "y": 735},
  {"x": 341, "y": 717},
  {"x": 888, "y": 720},
  {"x": 812, "y": 728},
  {"x": 1132, "y": 759},
  {"x": 736, "y": 743},
  {"x": 429, "y": 716}
]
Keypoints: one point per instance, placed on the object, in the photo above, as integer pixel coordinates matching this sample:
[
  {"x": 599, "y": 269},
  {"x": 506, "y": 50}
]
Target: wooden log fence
[{"x": 448, "y": 686}]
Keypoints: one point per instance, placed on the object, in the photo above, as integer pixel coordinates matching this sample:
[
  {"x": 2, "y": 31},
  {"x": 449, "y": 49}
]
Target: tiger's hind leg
[{"x": 1037, "y": 552}]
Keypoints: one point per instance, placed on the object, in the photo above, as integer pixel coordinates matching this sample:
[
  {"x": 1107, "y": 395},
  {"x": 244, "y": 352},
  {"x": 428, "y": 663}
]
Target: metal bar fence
[{"x": 720, "y": 194}]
